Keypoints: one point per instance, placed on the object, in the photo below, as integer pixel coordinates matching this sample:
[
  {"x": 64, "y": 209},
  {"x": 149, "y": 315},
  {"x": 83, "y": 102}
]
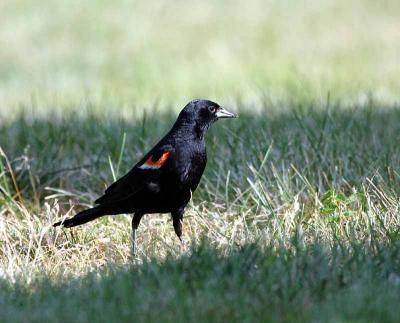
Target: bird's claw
[{"x": 184, "y": 244}]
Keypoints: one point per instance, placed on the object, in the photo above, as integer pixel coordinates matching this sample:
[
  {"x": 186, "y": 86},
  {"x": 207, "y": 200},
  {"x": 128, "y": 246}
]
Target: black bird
[{"x": 164, "y": 180}]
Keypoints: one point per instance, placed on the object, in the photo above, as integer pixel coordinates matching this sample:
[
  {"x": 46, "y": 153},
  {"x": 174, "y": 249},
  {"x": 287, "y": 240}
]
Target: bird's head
[{"x": 202, "y": 114}]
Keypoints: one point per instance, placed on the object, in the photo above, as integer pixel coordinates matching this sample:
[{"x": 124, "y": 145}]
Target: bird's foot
[{"x": 184, "y": 244}]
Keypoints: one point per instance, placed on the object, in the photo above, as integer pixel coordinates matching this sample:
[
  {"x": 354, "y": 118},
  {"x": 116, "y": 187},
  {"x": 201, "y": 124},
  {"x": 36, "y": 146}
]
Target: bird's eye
[{"x": 211, "y": 109}]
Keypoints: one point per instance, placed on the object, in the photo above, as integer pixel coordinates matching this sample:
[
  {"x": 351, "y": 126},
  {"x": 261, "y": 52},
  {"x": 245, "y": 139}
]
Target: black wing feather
[{"x": 135, "y": 180}]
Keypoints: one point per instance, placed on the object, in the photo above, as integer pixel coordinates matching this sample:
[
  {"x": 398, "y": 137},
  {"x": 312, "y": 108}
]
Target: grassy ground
[
  {"x": 301, "y": 223},
  {"x": 276, "y": 283},
  {"x": 297, "y": 215}
]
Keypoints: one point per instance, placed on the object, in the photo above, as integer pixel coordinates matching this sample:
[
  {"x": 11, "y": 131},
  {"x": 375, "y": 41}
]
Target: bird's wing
[{"x": 148, "y": 170}]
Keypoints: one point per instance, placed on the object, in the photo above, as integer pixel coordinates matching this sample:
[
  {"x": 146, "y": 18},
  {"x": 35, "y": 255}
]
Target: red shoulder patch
[{"x": 155, "y": 164}]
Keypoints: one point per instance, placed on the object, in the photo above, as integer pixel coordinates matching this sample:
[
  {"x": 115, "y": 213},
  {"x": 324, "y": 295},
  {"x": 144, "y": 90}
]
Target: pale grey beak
[{"x": 222, "y": 113}]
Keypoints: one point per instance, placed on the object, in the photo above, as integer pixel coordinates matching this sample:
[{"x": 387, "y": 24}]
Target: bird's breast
[{"x": 195, "y": 170}]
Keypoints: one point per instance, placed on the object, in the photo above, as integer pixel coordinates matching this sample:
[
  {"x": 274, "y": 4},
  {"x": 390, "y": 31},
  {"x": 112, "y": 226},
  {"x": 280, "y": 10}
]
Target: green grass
[
  {"x": 276, "y": 283},
  {"x": 297, "y": 215}
]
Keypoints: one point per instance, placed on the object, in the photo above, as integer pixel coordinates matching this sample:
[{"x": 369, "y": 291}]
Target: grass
[
  {"x": 301, "y": 284},
  {"x": 293, "y": 225},
  {"x": 297, "y": 215}
]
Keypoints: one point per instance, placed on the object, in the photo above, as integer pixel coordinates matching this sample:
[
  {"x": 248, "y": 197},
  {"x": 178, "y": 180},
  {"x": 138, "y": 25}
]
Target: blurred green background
[{"x": 117, "y": 53}]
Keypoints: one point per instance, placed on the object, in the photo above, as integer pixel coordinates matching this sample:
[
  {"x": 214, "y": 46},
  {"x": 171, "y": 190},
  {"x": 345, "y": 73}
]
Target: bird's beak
[{"x": 222, "y": 113}]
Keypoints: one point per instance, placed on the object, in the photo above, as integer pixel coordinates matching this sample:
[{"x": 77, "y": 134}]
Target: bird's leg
[
  {"x": 135, "y": 224},
  {"x": 133, "y": 241},
  {"x": 177, "y": 219}
]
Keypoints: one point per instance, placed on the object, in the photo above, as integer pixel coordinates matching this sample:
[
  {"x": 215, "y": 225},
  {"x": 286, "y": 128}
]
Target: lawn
[{"x": 297, "y": 215}]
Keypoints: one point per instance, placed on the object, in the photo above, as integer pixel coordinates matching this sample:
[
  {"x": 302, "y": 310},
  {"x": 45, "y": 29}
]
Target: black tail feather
[{"x": 82, "y": 217}]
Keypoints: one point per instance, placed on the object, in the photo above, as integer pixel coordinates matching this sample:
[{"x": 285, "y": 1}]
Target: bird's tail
[{"x": 82, "y": 217}]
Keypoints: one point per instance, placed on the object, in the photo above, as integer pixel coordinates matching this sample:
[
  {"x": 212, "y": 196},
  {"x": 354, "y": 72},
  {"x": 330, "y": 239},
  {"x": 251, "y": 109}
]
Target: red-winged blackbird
[{"x": 163, "y": 181}]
